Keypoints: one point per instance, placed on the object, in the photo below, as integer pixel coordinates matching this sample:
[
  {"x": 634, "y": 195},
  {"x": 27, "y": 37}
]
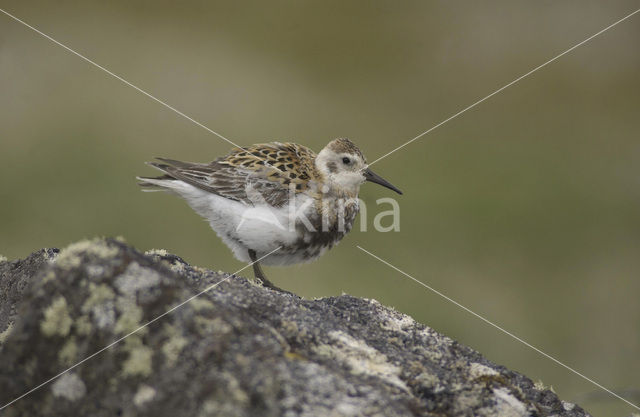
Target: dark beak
[{"x": 373, "y": 177}]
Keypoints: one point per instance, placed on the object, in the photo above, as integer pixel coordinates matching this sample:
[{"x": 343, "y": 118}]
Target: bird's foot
[{"x": 268, "y": 284}]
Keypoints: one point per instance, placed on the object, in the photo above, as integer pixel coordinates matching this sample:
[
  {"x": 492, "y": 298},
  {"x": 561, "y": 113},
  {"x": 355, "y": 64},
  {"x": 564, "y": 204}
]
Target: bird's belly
[
  {"x": 314, "y": 237},
  {"x": 300, "y": 252},
  {"x": 258, "y": 228},
  {"x": 295, "y": 242},
  {"x": 265, "y": 229}
]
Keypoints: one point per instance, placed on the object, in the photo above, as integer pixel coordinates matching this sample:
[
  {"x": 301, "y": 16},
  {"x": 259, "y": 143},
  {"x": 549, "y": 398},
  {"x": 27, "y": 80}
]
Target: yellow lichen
[
  {"x": 98, "y": 294},
  {"x": 290, "y": 327},
  {"x": 360, "y": 358},
  {"x": 206, "y": 325},
  {"x": 139, "y": 361},
  {"x": 70, "y": 257},
  {"x": 83, "y": 325},
  {"x": 235, "y": 389},
  {"x": 6, "y": 332},
  {"x": 200, "y": 303},
  {"x": 69, "y": 352},
  {"x": 130, "y": 317},
  {"x": 174, "y": 344},
  {"x": 478, "y": 370},
  {"x": 48, "y": 276},
  {"x": 294, "y": 356},
  {"x": 56, "y": 318}
]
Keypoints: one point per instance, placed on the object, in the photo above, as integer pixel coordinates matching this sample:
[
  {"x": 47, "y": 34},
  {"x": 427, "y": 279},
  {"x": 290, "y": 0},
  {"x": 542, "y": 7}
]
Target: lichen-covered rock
[{"x": 235, "y": 350}]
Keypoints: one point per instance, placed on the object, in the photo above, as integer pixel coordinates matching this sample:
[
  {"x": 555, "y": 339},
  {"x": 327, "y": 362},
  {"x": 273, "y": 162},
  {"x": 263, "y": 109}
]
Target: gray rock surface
[{"x": 236, "y": 350}]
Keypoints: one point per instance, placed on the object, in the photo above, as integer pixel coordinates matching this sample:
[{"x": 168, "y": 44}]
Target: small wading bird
[{"x": 274, "y": 195}]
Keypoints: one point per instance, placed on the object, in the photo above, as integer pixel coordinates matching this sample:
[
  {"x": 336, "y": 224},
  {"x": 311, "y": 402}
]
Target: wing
[{"x": 262, "y": 172}]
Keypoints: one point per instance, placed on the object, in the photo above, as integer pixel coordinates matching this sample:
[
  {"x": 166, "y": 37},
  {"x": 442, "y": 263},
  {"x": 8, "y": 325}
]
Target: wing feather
[{"x": 262, "y": 172}]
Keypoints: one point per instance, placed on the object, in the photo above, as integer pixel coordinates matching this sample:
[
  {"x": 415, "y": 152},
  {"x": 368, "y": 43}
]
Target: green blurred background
[{"x": 525, "y": 209}]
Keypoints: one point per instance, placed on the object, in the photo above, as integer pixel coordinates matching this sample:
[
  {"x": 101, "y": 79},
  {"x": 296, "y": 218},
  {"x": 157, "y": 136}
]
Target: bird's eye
[{"x": 346, "y": 160}]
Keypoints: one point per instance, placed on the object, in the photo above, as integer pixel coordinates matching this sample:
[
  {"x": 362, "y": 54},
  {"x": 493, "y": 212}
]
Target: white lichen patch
[
  {"x": 139, "y": 361},
  {"x": 568, "y": 406},
  {"x": 94, "y": 271},
  {"x": 255, "y": 283},
  {"x": 347, "y": 408},
  {"x": 478, "y": 370},
  {"x": 469, "y": 398},
  {"x": 3, "y": 258},
  {"x": 71, "y": 256},
  {"x": 174, "y": 344},
  {"x": 200, "y": 269},
  {"x": 395, "y": 321},
  {"x": 69, "y": 386},
  {"x": 50, "y": 257},
  {"x": 430, "y": 381},
  {"x": 428, "y": 333},
  {"x": 178, "y": 267},
  {"x": 507, "y": 405},
  {"x": 143, "y": 395},
  {"x": 360, "y": 358},
  {"x": 372, "y": 301},
  {"x": 540, "y": 386},
  {"x": 157, "y": 252},
  {"x": 69, "y": 352},
  {"x": 6, "y": 332},
  {"x": 136, "y": 278},
  {"x": 433, "y": 355},
  {"x": 57, "y": 320},
  {"x": 291, "y": 328}
]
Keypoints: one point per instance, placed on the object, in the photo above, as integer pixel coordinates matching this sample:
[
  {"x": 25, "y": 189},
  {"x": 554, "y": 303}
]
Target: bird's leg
[{"x": 257, "y": 271}]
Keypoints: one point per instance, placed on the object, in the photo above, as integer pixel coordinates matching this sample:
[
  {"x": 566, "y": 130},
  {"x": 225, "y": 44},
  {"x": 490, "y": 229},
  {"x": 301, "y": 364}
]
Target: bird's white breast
[{"x": 242, "y": 227}]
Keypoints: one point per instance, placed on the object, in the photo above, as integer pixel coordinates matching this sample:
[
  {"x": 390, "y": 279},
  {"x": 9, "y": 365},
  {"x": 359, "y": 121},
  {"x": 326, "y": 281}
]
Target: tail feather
[
  {"x": 154, "y": 184},
  {"x": 174, "y": 172},
  {"x": 160, "y": 183}
]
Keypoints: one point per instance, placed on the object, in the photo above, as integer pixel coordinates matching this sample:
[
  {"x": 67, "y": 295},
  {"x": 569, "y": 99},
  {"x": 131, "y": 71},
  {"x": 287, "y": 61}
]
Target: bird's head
[{"x": 345, "y": 168}]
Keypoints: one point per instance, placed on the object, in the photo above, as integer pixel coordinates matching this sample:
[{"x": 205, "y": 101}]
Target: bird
[{"x": 277, "y": 199}]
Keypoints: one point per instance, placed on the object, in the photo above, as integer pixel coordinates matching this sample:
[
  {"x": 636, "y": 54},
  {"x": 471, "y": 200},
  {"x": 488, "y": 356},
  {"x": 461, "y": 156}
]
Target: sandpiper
[{"x": 273, "y": 195}]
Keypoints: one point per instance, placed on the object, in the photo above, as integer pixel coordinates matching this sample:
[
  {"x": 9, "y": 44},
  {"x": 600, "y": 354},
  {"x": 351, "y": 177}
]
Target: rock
[{"x": 236, "y": 350}]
